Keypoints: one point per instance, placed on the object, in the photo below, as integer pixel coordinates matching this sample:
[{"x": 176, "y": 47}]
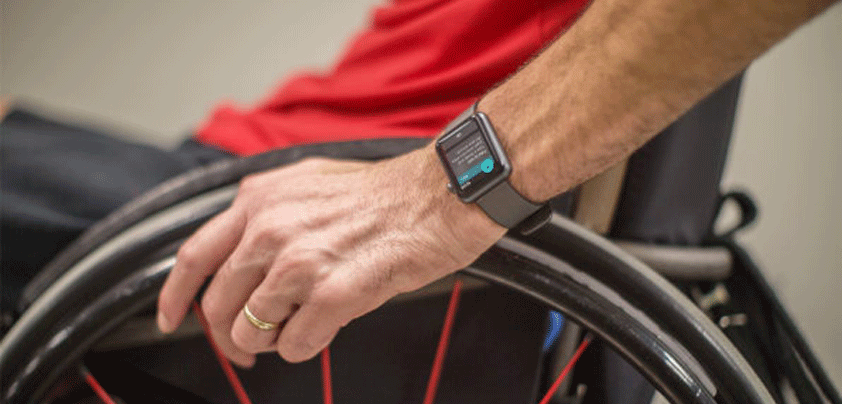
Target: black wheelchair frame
[{"x": 116, "y": 269}]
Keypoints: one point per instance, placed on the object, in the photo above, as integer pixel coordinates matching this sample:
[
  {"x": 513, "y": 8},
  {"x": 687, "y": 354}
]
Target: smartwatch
[{"x": 479, "y": 171}]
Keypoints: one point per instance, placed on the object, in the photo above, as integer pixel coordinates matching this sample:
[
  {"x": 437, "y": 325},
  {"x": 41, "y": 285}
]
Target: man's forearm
[{"x": 622, "y": 73}]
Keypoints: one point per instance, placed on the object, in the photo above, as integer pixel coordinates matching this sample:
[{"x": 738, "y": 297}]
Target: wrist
[
  {"x": 465, "y": 223},
  {"x": 435, "y": 180},
  {"x": 533, "y": 174}
]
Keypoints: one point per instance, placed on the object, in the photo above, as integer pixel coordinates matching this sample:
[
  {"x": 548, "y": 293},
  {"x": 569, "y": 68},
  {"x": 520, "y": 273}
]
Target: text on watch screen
[{"x": 470, "y": 159}]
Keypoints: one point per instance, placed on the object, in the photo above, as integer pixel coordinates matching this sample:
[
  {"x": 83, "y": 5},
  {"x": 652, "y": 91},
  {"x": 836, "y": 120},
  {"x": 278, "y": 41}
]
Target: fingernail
[{"x": 163, "y": 323}]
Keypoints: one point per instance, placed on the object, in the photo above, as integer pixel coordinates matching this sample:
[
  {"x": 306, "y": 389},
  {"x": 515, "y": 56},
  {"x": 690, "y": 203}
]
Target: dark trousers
[{"x": 58, "y": 179}]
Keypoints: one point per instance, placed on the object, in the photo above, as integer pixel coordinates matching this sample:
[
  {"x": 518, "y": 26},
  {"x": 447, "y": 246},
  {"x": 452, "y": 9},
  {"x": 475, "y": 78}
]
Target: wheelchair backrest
[{"x": 670, "y": 193}]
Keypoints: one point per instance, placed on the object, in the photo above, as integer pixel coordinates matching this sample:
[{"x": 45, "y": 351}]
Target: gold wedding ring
[{"x": 263, "y": 325}]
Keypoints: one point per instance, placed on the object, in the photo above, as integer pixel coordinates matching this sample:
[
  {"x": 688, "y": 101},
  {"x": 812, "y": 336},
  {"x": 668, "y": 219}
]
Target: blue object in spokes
[{"x": 554, "y": 327}]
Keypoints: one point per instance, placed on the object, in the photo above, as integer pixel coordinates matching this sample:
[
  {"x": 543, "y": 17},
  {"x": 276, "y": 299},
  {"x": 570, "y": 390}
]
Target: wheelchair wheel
[{"x": 116, "y": 270}]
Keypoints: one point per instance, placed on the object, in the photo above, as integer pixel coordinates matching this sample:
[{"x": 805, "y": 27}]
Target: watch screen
[{"x": 469, "y": 156}]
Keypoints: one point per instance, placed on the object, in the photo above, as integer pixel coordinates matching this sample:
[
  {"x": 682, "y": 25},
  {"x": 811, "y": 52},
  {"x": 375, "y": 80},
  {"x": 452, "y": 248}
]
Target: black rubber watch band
[{"x": 506, "y": 206}]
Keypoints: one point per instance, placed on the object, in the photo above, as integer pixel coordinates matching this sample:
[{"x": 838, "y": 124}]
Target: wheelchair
[{"x": 685, "y": 310}]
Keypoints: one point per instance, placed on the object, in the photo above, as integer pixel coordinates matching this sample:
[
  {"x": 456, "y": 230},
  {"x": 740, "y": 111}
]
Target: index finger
[{"x": 198, "y": 258}]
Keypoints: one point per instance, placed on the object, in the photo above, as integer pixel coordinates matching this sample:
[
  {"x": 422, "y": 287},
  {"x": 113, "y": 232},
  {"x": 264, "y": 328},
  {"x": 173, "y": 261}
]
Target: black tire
[{"x": 638, "y": 313}]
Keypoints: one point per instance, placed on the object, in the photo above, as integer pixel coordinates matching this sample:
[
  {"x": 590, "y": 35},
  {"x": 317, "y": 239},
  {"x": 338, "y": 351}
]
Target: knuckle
[
  {"x": 248, "y": 184},
  {"x": 273, "y": 282},
  {"x": 214, "y": 315},
  {"x": 294, "y": 268},
  {"x": 247, "y": 193},
  {"x": 287, "y": 286},
  {"x": 297, "y": 349},
  {"x": 331, "y": 296},
  {"x": 242, "y": 341},
  {"x": 268, "y": 236},
  {"x": 187, "y": 256},
  {"x": 300, "y": 261},
  {"x": 227, "y": 274}
]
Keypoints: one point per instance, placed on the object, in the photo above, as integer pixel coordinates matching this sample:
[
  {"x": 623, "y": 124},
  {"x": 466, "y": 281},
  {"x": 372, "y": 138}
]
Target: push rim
[{"x": 562, "y": 265}]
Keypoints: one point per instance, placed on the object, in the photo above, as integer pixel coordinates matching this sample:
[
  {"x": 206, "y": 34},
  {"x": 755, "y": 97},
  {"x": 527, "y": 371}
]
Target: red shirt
[{"x": 414, "y": 68}]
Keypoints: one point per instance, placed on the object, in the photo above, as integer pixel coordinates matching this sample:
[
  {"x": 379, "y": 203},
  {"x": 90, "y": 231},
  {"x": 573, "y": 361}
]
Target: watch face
[{"x": 470, "y": 159}]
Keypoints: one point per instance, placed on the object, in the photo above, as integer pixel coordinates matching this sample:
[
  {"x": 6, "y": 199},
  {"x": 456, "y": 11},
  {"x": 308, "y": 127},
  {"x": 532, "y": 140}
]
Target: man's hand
[{"x": 316, "y": 244}]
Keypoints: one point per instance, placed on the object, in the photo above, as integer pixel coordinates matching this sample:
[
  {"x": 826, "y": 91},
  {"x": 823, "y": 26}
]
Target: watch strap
[
  {"x": 506, "y": 206},
  {"x": 461, "y": 118}
]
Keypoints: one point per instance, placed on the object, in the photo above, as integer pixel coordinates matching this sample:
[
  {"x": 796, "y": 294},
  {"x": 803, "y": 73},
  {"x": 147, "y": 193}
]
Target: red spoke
[
  {"x": 566, "y": 370},
  {"x": 327, "y": 385},
  {"x": 239, "y": 391},
  {"x": 95, "y": 386},
  {"x": 444, "y": 339}
]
